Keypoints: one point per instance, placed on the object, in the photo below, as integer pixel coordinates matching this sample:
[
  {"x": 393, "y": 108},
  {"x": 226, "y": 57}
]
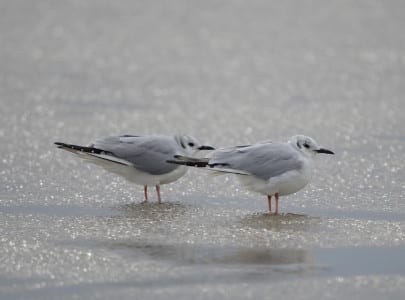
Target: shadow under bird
[
  {"x": 140, "y": 159},
  {"x": 269, "y": 168}
]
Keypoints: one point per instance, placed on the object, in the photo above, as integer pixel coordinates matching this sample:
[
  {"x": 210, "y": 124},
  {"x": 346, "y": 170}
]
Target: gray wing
[
  {"x": 146, "y": 153},
  {"x": 261, "y": 160}
]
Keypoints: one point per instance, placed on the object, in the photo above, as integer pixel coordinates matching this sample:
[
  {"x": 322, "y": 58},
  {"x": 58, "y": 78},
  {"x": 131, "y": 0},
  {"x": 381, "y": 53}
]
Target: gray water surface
[{"x": 230, "y": 73}]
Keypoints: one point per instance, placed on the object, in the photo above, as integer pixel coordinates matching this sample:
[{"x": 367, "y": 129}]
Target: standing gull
[
  {"x": 140, "y": 159},
  {"x": 269, "y": 168}
]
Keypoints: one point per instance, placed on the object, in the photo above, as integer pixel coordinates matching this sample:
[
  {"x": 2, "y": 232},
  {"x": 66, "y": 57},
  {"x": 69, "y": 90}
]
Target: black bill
[
  {"x": 206, "y": 148},
  {"x": 325, "y": 151}
]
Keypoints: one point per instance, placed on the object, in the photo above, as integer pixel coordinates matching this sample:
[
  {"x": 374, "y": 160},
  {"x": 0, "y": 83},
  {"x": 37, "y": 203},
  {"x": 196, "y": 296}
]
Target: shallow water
[{"x": 230, "y": 72}]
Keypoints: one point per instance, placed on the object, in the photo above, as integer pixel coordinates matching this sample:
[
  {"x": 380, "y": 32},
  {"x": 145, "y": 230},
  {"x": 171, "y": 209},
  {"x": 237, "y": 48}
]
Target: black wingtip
[
  {"x": 177, "y": 162},
  {"x": 197, "y": 164},
  {"x": 82, "y": 148},
  {"x": 60, "y": 145}
]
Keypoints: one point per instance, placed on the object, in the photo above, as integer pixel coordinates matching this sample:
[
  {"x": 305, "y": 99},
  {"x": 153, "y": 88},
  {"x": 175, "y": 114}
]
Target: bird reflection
[
  {"x": 266, "y": 256},
  {"x": 193, "y": 254}
]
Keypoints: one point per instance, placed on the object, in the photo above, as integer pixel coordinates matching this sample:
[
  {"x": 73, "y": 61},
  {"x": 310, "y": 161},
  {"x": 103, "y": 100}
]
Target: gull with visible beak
[
  {"x": 140, "y": 159},
  {"x": 269, "y": 168}
]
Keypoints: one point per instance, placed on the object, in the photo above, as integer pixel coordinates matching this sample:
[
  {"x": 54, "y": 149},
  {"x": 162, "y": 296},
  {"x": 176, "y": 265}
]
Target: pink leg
[
  {"x": 145, "y": 192},
  {"x": 158, "y": 194},
  {"x": 269, "y": 202},
  {"x": 276, "y": 203}
]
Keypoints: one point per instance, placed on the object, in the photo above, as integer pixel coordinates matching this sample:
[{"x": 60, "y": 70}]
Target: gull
[
  {"x": 140, "y": 159},
  {"x": 269, "y": 168}
]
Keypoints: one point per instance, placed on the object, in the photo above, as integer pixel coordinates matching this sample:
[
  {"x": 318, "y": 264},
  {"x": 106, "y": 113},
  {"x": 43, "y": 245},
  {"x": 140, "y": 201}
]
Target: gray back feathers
[
  {"x": 146, "y": 153},
  {"x": 264, "y": 160}
]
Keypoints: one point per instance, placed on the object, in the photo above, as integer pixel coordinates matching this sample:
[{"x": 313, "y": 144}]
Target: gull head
[
  {"x": 308, "y": 145},
  {"x": 191, "y": 145}
]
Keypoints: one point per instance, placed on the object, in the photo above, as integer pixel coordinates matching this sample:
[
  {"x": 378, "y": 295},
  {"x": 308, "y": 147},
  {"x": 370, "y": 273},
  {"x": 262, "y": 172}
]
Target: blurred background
[{"x": 228, "y": 72}]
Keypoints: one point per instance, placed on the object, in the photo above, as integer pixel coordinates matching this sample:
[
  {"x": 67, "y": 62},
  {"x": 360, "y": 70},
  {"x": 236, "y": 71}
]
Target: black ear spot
[
  {"x": 182, "y": 144},
  {"x": 299, "y": 145}
]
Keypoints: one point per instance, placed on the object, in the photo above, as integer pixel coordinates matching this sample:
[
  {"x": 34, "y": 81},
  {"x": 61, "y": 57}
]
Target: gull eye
[
  {"x": 191, "y": 144},
  {"x": 306, "y": 145}
]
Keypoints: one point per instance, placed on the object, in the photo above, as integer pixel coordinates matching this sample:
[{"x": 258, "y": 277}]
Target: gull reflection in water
[{"x": 194, "y": 254}]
